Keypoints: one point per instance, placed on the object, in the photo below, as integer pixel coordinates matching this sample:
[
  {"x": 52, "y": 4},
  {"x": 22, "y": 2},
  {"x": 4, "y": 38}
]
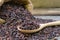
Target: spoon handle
[
  {"x": 52, "y": 23},
  {"x": 48, "y": 24}
]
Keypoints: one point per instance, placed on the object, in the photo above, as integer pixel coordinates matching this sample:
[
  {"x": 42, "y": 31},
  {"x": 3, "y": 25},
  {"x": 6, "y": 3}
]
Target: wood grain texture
[
  {"x": 46, "y": 3},
  {"x": 55, "y": 11}
]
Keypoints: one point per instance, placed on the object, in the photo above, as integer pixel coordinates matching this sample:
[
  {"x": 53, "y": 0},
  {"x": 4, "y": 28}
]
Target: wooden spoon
[{"x": 40, "y": 28}]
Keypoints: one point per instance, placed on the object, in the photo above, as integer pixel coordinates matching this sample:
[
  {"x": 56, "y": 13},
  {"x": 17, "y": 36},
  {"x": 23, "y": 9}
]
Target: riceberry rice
[{"x": 19, "y": 15}]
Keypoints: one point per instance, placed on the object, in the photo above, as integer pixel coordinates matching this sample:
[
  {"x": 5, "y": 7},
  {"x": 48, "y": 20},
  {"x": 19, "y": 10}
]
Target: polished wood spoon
[{"x": 40, "y": 28}]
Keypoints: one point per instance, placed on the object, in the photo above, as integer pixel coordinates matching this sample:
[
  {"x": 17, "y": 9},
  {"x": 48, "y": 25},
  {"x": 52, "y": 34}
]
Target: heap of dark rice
[{"x": 18, "y": 15}]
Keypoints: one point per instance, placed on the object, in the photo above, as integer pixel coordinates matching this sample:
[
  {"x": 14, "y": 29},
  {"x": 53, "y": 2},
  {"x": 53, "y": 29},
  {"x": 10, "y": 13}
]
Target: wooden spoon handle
[
  {"x": 52, "y": 23},
  {"x": 48, "y": 24}
]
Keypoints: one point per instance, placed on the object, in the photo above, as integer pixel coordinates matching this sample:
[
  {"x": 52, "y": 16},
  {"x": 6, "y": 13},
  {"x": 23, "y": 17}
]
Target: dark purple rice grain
[
  {"x": 18, "y": 15},
  {"x": 12, "y": 13}
]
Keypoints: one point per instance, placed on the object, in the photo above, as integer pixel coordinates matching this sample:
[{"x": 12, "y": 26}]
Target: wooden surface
[
  {"x": 50, "y": 11},
  {"x": 46, "y": 3}
]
